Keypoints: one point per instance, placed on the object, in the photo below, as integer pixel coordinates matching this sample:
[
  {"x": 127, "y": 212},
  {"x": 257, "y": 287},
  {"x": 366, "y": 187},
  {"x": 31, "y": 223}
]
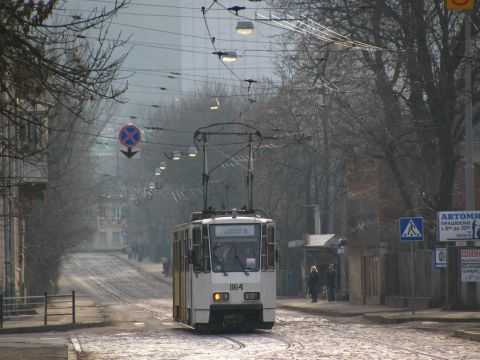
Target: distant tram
[{"x": 224, "y": 271}]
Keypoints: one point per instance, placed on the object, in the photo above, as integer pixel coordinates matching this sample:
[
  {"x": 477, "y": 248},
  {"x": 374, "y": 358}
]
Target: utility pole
[
  {"x": 458, "y": 292},
  {"x": 7, "y": 203},
  {"x": 469, "y": 289}
]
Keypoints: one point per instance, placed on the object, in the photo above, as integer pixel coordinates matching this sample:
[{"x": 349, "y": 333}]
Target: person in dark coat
[
  {"x": 313, "y": 282},
  {"x": 330, "y": 280}
]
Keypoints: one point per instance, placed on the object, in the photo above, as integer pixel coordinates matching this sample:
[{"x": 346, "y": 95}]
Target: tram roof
[{"x": 230, "y": 214}]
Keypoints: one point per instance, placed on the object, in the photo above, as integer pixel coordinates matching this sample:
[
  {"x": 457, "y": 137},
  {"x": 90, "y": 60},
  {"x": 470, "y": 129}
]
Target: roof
[{"x": 322, "y": 240}]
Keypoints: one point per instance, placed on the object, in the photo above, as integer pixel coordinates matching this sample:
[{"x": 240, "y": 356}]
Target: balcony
[
  {"x": 109, "y": 221},
  {"x": 32, "y": 171}
]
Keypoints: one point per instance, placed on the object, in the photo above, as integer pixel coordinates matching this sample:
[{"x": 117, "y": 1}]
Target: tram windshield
[{"x": 235, "y": 247}]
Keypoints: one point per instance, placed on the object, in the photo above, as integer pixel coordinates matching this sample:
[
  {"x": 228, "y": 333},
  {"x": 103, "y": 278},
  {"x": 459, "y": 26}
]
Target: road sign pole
[
  {"x": 412, "y": 272},
  {"x": 411, "y": 230}
]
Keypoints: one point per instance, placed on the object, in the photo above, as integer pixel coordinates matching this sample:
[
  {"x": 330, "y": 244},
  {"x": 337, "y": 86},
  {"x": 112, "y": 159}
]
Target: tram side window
[
  {"x": 176, "y": 252},
  {"x": 197, "y": 249},
  {"x": 271, "y": 247},
  {"x": 264, "y": 248},
  {"x": 185, "y": 250},
  {"x": 205, "y": 249}
]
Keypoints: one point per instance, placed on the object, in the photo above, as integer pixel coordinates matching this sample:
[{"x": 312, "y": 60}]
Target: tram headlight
[
  {"x": 251, "y": 296},
  {"x": 221, "y": 296}
]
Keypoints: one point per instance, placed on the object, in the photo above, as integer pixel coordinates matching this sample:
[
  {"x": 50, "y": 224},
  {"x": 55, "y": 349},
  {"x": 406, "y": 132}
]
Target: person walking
[
  {"x": 313, "y": 282},
  {"x": 330, "y": 280}
]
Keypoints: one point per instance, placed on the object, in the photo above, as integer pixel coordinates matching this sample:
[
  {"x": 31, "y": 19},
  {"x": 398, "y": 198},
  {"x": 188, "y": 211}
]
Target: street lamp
[
  {"x": 177, "y": 155},
  {"x": 214, "y": 104},
  {"x": 226, "y": 56},
  {"x": 192, "y": 151},
  {"x": 245, "y": 27}
]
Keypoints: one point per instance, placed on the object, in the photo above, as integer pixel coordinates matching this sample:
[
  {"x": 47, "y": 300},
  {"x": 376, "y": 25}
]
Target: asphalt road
[{"x": 140, "y": 305}]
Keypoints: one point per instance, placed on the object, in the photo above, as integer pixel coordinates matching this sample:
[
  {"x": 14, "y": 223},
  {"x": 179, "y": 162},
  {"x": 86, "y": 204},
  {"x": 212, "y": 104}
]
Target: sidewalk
[
  {"x": 87, "y": 314},
  {"x": 390, "y": 315},
  {"x": 30, "y": 345}
]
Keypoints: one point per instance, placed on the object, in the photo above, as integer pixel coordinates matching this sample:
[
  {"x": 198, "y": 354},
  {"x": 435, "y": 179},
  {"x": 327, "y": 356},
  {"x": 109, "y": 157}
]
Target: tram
[{"x": 224, "y": 270}]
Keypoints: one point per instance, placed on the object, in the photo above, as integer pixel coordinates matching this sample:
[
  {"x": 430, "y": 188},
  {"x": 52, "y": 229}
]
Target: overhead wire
[
  {"x": 172, "y": 6},
  {"x": 213, "y": 41}
]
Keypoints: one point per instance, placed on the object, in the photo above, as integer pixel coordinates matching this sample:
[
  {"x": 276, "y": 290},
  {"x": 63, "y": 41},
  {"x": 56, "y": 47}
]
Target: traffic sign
[
  {"x": 459, "y": 4},
  {"x": 411, "y": 229},
  {"x": 129, "y": 136},
  {"x": 440, "y": 257}
]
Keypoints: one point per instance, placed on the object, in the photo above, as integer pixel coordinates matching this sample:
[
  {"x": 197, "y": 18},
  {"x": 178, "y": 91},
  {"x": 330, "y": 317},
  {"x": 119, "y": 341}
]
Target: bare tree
[
  {"x": 399, "y": 67},
  {"x": 43, "y": 59},
  {"x": 51, "y": 73}
]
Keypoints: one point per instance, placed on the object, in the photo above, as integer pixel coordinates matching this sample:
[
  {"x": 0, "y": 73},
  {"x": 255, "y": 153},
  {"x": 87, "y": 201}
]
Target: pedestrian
[
  {"x": 140, "y": 253},
  {"x": 313, "y": 282},
  {"x": 168, "y": 268},
  {"x": 330, "y": 280}
]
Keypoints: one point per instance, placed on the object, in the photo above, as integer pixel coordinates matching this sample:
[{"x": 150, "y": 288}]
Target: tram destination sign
[
  {"x": 234, "y": 230},
  {"x": 458, "y": 225}
]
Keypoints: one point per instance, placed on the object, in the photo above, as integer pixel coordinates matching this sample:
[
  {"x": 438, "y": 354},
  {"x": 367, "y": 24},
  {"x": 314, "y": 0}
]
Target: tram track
[
  {"x": 354, "y": 335},
  {"x": 92, "y": 277},
  {"x": 406, "y": 350},
  {"x": 290, "y": 344},
  {"x": 137, "y": 283},
  {"x": 236, "y": 344},
  {"x": 112, "y": 291}
]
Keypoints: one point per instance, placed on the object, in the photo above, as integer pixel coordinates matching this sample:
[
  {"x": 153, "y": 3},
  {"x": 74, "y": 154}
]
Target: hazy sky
[{"x": 171, "y": 52}]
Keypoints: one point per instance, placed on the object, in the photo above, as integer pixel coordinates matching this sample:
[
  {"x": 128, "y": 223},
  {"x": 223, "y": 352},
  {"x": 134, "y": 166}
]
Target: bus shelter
[{"x": 321, "y": 250}]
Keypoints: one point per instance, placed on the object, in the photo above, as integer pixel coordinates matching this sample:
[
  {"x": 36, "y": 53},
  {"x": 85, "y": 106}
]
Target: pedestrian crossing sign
[{"x": 411, "y": 229}]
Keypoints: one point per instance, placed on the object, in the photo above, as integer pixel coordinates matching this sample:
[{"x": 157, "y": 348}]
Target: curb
[
  {"x": 385, "y": 319},
  {"x": 381, "y": 319},
  {"x": 468, "y": 335},
  {"x": 56, "y": 327},
  {"x": 309, "y": 310}
]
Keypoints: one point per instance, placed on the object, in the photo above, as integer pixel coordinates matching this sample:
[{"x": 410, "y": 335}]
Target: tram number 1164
[{"x": 236, "y": 287}]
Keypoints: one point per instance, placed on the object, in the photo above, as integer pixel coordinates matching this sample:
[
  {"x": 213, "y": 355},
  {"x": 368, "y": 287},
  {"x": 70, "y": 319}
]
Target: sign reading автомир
[{"x": 458, "y": 225}]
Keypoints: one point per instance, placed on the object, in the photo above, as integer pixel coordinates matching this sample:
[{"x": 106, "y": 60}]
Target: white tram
[{"x": 223, "y": 267}]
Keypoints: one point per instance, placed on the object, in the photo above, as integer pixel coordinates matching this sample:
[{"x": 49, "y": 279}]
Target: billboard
[
  {"x": 458, "y": 225},
  {"x": 470, "y": 265}
]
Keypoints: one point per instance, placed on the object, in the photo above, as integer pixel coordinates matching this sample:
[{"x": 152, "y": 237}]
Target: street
[{"x": 140, "y": 306}]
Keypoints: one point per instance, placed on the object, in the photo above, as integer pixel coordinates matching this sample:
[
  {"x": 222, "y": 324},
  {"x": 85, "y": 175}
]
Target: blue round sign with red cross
[{"x": 129, "y": 135}]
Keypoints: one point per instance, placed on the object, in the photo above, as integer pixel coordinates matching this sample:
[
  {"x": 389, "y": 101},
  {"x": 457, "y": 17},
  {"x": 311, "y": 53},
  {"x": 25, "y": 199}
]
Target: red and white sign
[
  {"x": 470, "y": 265},
  {"x": 459, "y": 4}
]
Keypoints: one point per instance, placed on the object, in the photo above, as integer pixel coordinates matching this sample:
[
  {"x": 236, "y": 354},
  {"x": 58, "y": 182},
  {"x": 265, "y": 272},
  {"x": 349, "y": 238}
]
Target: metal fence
[{"x": 37, "y": 308}]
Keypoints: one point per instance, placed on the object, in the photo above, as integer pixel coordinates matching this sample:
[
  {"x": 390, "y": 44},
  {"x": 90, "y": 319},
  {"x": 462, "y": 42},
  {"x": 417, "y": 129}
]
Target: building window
[
  {"x": 103, "y": 238},
  {"x": 102, "y": 212},
  {"x": 125, "y": 211},
  {"x": 117, "y": 213},
  {"x": 91, "y": 214},
  {"x": 116, "y": 238}
]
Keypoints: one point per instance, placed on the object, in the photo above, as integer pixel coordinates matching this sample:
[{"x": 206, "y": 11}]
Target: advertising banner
[
  {"x": 458, "y": 225},
  {"x": 470, "y": 265}
]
